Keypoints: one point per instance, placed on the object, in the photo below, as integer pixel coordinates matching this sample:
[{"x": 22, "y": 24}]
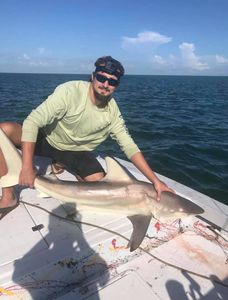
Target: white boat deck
[{"x": 68, "y": 260}]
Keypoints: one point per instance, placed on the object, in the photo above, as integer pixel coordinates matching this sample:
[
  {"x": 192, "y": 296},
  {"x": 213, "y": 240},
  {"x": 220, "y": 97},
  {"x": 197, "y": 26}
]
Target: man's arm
[
  {"x": 28, "y": 173},
  {"x": 120, "y": 134},
  {"x": 141, "y": 164},
  {"x": 53, "y": 108}
]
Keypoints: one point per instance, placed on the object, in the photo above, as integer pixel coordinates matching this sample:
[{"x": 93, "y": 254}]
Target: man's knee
[
  {"x": 95, "y": 177},
  {"x": 13, "y": 131}
]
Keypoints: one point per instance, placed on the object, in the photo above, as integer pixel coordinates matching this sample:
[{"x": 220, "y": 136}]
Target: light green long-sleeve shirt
[{"x": 72, "y": 122}]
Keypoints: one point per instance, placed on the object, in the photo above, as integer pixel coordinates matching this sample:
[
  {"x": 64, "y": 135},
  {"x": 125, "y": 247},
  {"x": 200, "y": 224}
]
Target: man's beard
[{"x": 102, "y": 98}]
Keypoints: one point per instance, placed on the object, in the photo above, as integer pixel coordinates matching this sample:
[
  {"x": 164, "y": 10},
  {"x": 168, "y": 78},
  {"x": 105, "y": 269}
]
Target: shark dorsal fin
[{"x": 115, "y": 172}]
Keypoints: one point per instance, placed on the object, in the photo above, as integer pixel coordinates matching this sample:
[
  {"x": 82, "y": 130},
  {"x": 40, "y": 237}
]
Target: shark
[{"x": 117, "y": 193}]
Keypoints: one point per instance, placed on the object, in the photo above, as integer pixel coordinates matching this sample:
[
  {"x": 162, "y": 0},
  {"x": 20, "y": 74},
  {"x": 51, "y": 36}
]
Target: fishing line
[{"x": 123, "y": 237}]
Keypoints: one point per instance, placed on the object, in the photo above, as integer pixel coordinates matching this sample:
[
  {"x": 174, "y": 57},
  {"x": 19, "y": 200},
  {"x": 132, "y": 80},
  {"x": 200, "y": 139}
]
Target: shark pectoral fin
[{"x": 140, "y": 225}]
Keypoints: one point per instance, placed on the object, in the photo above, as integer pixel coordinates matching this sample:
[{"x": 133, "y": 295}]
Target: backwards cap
[{"x": 109, "y": 65}]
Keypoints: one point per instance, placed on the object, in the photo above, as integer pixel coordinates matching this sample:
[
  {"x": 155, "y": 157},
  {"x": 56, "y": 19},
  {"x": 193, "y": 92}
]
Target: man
[{"x": 69, "y": 125}]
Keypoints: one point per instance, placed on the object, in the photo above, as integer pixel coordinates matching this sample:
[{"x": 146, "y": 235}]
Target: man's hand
[
  {"x": 140, "y": 162},
  {"x": 160, "y": 187},
  {"x": 27, "y": 177}
]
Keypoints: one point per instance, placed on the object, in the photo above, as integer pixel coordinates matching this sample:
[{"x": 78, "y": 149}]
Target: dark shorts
[{"x": 82, "y": 163}]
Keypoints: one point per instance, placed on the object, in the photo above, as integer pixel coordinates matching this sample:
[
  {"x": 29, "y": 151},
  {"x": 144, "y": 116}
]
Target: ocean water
[{"x": 180, "y": 123}]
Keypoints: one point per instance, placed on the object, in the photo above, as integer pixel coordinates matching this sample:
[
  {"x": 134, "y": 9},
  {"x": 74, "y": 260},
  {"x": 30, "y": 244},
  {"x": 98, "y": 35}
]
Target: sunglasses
[{"x": 102, "y": 78}]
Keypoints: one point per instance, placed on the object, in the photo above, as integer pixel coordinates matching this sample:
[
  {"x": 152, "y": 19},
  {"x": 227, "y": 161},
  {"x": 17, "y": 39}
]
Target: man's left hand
[{"x": 160, "y": 187}]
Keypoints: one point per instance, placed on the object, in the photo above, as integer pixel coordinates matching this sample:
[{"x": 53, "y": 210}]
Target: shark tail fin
[
  {"x": 140, "y": 225},
  {"x": 13, "y": 161}
]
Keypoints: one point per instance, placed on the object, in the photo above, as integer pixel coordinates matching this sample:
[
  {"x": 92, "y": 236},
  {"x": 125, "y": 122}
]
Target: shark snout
[
  {"x": 179, "y": 205},
  {"x": 192, "y": 208}
]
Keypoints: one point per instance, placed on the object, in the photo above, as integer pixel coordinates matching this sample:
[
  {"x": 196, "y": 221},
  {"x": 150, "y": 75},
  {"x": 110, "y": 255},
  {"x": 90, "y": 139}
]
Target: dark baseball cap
[{"x": 109, "y": 65}]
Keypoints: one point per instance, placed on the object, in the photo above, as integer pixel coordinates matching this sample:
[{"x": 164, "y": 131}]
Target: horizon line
[{"x": 88, "y": 74}]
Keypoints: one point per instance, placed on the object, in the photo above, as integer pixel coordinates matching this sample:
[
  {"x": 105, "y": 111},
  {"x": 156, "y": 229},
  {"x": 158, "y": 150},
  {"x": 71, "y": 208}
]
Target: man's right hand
[{"x": 27, "y": 177}]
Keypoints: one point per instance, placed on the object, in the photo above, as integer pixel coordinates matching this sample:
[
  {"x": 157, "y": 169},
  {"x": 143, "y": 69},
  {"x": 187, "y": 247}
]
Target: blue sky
[{"x": 173, "y": 37}]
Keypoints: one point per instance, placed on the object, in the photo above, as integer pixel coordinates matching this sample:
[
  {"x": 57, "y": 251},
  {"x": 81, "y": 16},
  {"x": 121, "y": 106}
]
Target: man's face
[{"x": 103, "y": 84}]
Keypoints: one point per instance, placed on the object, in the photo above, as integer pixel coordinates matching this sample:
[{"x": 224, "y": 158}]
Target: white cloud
[
  {"x": 86, "y": 67},
  {"x": 221, "y": 59},
  {"x": 190, "y": 59},
  {"x": 41, "y": 50},
  {"x": 26, "y": 56},
  {"x": 157, "y": 59},
  {"x": 31, "y": 61},
  {"x": 146, "y": 37},
  {"x": 38, "y": 63},
  {"x": 44, "y": 51}
]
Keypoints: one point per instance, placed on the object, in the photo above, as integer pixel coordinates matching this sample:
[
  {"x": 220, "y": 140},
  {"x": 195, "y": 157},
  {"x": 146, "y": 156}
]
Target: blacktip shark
[{"x": 117, "y": 193}]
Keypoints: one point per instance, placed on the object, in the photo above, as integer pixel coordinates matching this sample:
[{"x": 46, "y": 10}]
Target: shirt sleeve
[
  {"x": 120, "y": 134},
  {"x": 51, "y": 110}
]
